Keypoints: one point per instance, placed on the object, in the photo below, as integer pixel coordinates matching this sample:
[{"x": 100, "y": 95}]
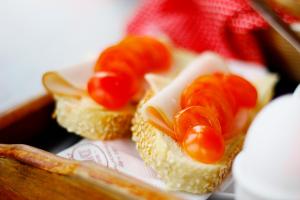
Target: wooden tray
[{"x": 30, "y": 173}]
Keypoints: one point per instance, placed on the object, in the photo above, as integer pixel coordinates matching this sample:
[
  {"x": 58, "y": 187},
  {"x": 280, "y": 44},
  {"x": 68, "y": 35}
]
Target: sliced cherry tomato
[
  {"x": 204, "y": 144},
  {"x": 218, "y": 105},
  {"x": 206, "y": 82},
  {"x": 192, "y": 116},
  {"x": 156, "y": 53},
  {"x": 120, "y": 69},
  {"x": 138, "y": 46},
  {"x": 208, "y": 91},
  {"x": 119, "y": 53},
  {"x": 123, "y": 69},
  {"x": 227, "y": 94},
  {"x": 243, "y": 91},
  {"x": 209, "y": 84},
  {"x": 110, "y": 89},
  {"x": 159, "y": 53}
]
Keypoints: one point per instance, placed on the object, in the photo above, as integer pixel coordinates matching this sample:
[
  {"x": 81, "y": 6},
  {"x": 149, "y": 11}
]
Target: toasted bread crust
[
  {"x": 84, "y": 117},
  {"x": 173, "y": 166}
]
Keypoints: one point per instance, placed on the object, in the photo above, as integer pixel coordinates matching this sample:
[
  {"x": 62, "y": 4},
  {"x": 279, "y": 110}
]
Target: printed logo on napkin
[{"x": 119, "y": 155}]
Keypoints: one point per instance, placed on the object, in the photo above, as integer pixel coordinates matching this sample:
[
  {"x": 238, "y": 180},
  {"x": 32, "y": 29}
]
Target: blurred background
[{"x": 36, "y": 36}]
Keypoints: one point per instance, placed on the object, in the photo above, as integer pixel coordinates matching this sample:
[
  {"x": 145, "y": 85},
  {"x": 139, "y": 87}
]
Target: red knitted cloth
[{"x": 224, "y": 26}]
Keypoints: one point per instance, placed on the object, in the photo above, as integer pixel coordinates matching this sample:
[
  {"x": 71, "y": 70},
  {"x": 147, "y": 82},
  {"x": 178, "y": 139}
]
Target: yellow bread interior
[{"x": 88, "y": 119}]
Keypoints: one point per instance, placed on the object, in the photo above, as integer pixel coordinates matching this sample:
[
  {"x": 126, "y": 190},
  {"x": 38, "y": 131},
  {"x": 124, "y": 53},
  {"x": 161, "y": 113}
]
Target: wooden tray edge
[{"x": 96, "y": 178}]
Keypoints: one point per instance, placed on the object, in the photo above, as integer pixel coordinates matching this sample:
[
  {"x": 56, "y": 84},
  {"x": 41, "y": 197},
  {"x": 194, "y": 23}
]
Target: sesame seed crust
[{"x": 84, "y": 117}]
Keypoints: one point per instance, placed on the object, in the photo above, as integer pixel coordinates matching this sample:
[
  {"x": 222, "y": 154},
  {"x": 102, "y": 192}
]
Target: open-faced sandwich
[
  {"x": 190, "y": 129},
  {"x": 98, "y": 100}
]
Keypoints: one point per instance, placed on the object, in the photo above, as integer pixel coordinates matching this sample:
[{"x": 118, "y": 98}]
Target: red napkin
[{"x": 224, "y": 26}]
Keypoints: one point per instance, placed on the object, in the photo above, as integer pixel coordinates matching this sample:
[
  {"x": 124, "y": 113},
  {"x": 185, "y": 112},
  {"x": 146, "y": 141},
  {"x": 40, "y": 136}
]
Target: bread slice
[
  {"x": 173, "y": 166},
  {"x": 88, "y": 119}
]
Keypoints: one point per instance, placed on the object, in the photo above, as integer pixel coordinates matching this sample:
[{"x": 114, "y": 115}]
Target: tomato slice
[
  {"x": 123, "y": 69},
  {"x": 242, "y": 90},
  {"x": 119, "y": 53},
  {"x": 204, "y": 144},
  {"x": 227, "y": 94},
  {"x": 138, "y": 46},
  {"x": 152, "y": 50},
  {"x": 208, "y": 91},
  {"x": 160, "y": 54},
  {"x": 218, "y": 105},
  {"x": 110, "y": 89},
  {"x": 206, "y": 82},
  {"x": 120, "y": 69},
  {"x": 192, "y": 116}
]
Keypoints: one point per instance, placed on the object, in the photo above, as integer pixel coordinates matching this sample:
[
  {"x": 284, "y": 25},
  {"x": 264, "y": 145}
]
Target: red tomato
[
  {"x": 192, "y": 116},
  {"x": 123, "y": 69},
  {"x": 206, "y": 82},
  {"x": 242, "y": 90},
  {"x": 160, "y": 54},
  {"x": 218, "y": 105},
  {"x": 137, "y": 45},
  {"x": 208, "y": 91},
  {"x": 110, "y": 89},
  {"x": 227, "y": 94},
  {"x": 204, "y": 144},
  {"x": 156, "y": 53},
  {"x": 119, "y": 53}
]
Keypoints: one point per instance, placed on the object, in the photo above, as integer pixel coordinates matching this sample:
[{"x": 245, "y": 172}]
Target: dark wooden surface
[{"x": 32, "y": 124}]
